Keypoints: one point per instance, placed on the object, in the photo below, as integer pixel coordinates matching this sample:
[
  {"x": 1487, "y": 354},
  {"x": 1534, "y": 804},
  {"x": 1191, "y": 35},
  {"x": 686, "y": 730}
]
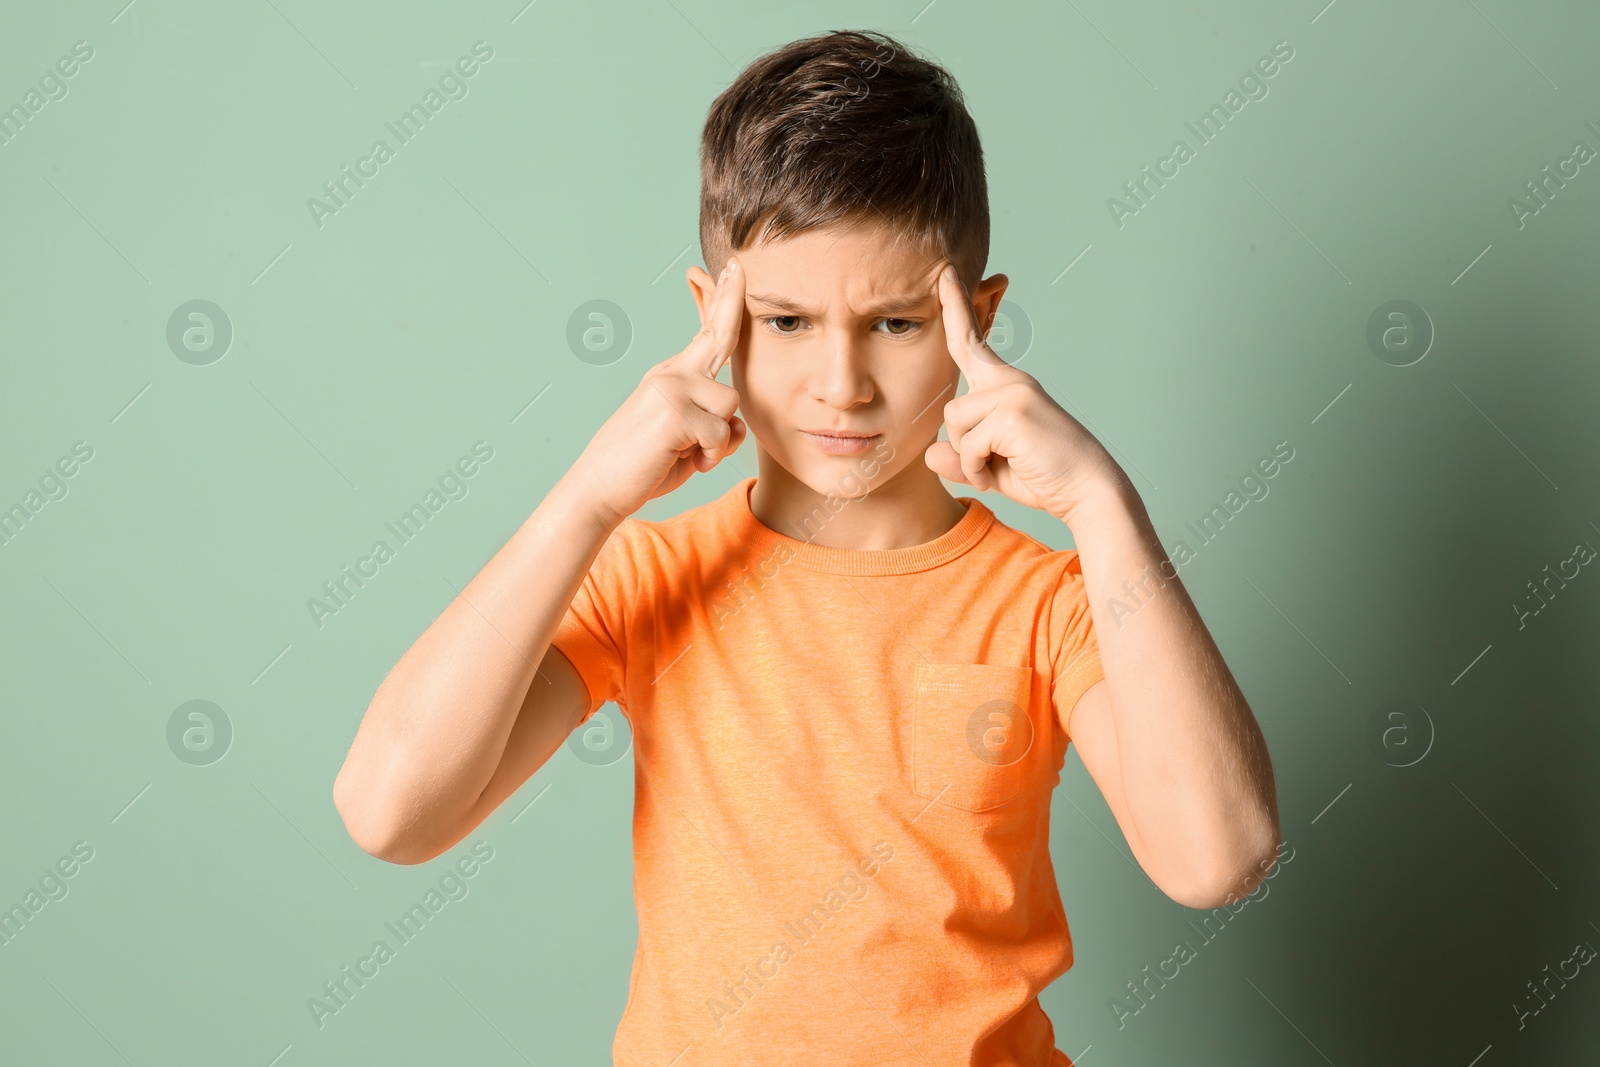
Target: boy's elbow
[
  {"x": 1202, "y": 896},
  {"x": 372, "y": 829},
  {"x": 401, "y": 857},
  {"x": 1228, "y": 880}
]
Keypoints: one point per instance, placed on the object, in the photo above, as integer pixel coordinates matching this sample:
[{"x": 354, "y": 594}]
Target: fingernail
[
  {"x": 733, "y": 266},
  {"x": 726, "y": 267}
]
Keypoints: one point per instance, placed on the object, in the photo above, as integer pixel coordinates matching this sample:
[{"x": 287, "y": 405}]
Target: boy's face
[{"x": 843, "y": 333}]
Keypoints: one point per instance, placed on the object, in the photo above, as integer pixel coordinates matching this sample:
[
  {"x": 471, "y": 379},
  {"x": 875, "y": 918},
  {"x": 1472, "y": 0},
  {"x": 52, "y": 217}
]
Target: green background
[{"x": 369, "y": 353}]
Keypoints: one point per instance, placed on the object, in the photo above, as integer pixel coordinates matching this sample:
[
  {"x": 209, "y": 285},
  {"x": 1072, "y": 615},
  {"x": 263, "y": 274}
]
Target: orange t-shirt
[{"x": 843, "y": 763}]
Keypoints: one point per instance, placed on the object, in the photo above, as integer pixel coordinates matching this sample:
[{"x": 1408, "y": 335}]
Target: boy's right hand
[{"x": 679, "y": 420}]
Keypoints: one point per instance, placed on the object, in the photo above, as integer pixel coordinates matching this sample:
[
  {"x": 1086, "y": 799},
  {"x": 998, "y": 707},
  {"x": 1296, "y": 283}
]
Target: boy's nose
[{"x": 841, "y": 378}]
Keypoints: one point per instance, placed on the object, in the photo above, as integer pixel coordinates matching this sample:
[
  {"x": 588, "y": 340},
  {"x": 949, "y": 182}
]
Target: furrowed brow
[{"x": 888, "y": 307}]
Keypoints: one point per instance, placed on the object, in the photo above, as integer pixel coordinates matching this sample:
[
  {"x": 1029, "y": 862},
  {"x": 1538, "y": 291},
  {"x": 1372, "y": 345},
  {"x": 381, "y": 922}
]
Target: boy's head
[
  {"x": 844, "y": 172},
  {"x": 843, "y": 129}
]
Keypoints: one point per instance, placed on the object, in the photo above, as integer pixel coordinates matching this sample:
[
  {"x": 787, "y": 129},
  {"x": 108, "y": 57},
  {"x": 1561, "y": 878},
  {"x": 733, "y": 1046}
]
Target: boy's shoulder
[
  {"x": 665, "y": 546},
  {"x": 1028, "y": 552},
  {"x": 717, "y": 517}
]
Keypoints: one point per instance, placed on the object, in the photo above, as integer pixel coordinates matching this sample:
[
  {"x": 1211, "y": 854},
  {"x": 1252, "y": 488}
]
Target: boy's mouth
[{"x": 841, "y": 442}]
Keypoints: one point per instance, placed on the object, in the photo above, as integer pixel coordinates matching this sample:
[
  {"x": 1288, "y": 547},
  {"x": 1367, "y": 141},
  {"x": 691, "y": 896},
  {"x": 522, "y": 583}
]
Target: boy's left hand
[{"x": 1006, "y": 433}]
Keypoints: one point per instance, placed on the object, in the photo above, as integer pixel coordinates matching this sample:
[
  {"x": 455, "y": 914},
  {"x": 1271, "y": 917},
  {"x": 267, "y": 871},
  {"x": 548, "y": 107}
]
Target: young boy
[{"x": 850, "y": 692}]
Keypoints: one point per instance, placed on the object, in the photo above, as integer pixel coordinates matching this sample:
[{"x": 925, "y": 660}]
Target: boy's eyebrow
[{"x": 886, "y": 307}]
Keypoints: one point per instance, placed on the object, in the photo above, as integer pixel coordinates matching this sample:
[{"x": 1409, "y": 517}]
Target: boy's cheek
[
  {"x": 926, "y": 404},
  {"x": 761, "y": 419},
  {"x": 762, "y": 388}
]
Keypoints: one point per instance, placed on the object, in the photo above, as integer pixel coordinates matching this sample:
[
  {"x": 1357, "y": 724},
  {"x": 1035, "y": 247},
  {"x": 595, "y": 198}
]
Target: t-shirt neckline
[{"x": 763, "y": 540}]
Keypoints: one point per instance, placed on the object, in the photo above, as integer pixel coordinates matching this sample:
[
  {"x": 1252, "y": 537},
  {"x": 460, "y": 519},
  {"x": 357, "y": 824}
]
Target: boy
[{"x": 850, "y": 692}]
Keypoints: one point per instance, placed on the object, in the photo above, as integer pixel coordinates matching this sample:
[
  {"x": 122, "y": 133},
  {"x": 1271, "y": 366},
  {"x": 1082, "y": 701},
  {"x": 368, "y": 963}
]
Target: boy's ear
[
  {"x": 986, "y": 300},
  {"x": 701, "y": 286}
]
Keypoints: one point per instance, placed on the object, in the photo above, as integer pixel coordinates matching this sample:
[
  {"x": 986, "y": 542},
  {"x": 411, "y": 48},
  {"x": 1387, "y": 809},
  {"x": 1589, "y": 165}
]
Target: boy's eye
[{"x": 790, "y": 324}]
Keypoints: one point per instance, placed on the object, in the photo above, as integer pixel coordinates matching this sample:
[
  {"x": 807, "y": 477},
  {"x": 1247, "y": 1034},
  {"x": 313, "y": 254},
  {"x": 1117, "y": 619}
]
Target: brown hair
[{"x": 840, "y": 129}]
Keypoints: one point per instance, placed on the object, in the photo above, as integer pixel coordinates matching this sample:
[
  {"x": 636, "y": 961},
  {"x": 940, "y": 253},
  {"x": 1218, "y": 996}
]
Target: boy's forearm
[
  {"x": 437, "y": 725},
  {"x": 1195, "y": 767}
]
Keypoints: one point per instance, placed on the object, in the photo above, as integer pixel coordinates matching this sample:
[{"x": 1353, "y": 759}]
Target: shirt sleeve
[
  {"x": 1075, "y": 654},
  {"x": 592, "y": 633}
]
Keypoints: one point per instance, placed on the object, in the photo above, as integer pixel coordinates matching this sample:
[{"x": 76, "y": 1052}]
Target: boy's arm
[
  {"x": 1167, "y": 735},
  {"x": 466, "y": 715},
  {"x": 464, "y": 708}
]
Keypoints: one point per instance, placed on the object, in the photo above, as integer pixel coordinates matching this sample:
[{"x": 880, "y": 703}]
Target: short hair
[{"x": 841, "y": 129}]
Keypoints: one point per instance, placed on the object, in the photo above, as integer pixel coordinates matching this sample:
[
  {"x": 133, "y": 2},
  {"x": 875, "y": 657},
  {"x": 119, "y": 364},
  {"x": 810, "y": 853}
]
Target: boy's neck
[{"x": 910, "y": 509}]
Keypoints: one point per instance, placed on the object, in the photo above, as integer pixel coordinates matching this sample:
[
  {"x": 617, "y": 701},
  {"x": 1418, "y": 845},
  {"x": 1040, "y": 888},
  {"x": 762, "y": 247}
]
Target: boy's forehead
[{"x": 862, "y": 266}]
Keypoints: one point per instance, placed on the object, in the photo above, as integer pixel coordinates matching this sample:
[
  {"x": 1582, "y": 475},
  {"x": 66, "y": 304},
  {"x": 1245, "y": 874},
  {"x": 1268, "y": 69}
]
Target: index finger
[
  {"x": 961, "y": 335},
  {"x": 727, "y": 316}
]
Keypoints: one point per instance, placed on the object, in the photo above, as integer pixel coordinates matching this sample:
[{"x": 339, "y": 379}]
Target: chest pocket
[{"x": 975, "y": 745}]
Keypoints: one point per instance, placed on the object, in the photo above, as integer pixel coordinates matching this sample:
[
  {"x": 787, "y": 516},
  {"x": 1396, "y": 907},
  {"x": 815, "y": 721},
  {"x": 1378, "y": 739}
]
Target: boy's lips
[{"x": 841, "y": 441}]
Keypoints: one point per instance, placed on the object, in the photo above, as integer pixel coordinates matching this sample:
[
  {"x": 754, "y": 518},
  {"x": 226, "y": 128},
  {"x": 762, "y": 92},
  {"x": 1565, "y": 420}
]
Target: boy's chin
[{"x": 847, "y": 477}]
